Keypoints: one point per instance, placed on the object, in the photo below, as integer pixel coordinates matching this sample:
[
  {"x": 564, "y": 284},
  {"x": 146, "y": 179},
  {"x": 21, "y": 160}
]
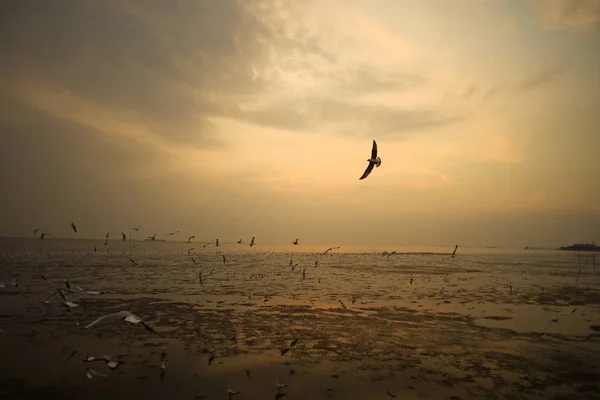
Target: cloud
[
  {"x": 168, "y": 64},
  {"x": 569, "y": 14},
  {"x": 541, "y": 78}
]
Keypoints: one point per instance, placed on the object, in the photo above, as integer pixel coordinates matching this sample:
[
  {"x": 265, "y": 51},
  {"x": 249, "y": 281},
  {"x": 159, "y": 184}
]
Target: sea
[{"x": 374, "y": 322}]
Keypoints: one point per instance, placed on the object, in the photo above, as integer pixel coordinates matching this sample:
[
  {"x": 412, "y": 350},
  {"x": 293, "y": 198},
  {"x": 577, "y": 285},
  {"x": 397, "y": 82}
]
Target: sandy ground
[{"x": 468, "y": 327}]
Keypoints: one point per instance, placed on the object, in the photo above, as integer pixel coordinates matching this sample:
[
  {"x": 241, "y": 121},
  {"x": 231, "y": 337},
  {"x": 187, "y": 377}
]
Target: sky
[{"x": 234, "y": 119}]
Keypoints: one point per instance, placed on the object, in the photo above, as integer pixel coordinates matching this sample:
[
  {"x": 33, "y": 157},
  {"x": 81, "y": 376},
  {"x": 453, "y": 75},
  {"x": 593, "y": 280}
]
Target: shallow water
[{"x": 467, "y": 327}]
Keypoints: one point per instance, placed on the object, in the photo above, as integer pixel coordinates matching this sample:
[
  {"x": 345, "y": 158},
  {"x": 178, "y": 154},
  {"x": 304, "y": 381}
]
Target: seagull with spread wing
[
  {"x": 374, "y": 161},
  {"x": 122, "y": 315}
]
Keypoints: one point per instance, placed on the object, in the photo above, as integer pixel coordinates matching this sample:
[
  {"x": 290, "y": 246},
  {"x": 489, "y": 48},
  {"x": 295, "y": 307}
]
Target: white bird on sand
[
  {"x": 90, "y": 373},
  {"x": 92, "y": 292},
  {"x": 124, "y": 315},
  {"x": 66, "y": 302},
  {"x": 374, "y": 161},
  {"x": 252, "y": 242},
  {"x": 280, "y": 386}
]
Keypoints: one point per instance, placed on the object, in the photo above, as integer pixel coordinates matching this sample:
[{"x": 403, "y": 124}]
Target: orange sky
[{"x": 235, "y": 119}]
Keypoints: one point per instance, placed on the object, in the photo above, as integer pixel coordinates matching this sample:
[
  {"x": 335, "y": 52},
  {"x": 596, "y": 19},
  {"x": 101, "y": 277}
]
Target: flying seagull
[
  {"x": 124, "y": 315},
  {"x": 252, "y": 242},
  {"x": 106, "y": 236},
  {"x": 137, "y": 229},
  {"x": 374, "y": 161},
  {"x": 329, "y": 249},
  {"x": 239, "y": 241},
  {"x": 190, "y": 239},
  {"x": 37, "y": 229},
  {"x": 74, "y": 227},
  {"x": 153, "y": 237},
  {"x": 66, "y": 302},
  {"x": 123, "y": 236},
  {"x": 295, "y": 242}
]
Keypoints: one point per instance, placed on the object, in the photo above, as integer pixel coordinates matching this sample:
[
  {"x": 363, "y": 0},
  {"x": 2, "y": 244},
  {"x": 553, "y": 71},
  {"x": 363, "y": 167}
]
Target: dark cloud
[
  {"x": 174, "y": 64},
  {"x": 157, "y": 60}
]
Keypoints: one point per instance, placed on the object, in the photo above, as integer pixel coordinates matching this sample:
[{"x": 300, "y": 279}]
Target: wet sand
[{"x": 467, "y": 327}]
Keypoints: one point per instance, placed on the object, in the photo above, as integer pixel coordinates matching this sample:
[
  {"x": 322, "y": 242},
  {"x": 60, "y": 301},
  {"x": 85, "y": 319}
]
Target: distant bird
[
  {"x": 194, "y": 261},
  {"x": 454, "y": 252},
  {"x": 137, "y": 229},
  {"x": 37, "y": 229},
  {"x": 74, "y": 227},
  {"x": 190, "y": 239},
  {"x": 343, "y": 305},
  {"x": 224, "y": 259},
  {"x": 373, "y": 161},
  {"x": 217, "y": 243},
  {"x": 106, "y": 237},
  {"x": 230, "y": 392},
  {"x": 133, "y": 262},
  {"x": 92, "y": 292},
  {"x": 123, "y": 236},
  {"x": 211, "y": 358},
  {"x": 555, "y": 320},
  {"x": 331, "y": 248},
  {"x": 43, "y": 235},
  {"x": 123, "y": 315},
  {"x": 279, "y": 386},
  {"x": 190, "y": 250},
  {"x": 252, "y": 242},
  {"x": 171, "y": 233},
  {"x": 295, "y": 242},
  {"x": 66, "y": 302},
  {"x": 239, "y": 241},
  {"x": 90, "y": 373},
  {"x": 153, "y": 237}
]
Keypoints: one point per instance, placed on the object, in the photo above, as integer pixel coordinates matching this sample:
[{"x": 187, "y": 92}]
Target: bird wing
[
  {"x": 368, "y": 170},
  {"x": 374, "y": 150},
  {"x": 62, "y": 295},
  {"x": 117, "y": 315},
  {"x": 148, "y": 328}
]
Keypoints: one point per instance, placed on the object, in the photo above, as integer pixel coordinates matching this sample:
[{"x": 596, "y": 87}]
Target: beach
[{"x": 468, "y": 327}]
